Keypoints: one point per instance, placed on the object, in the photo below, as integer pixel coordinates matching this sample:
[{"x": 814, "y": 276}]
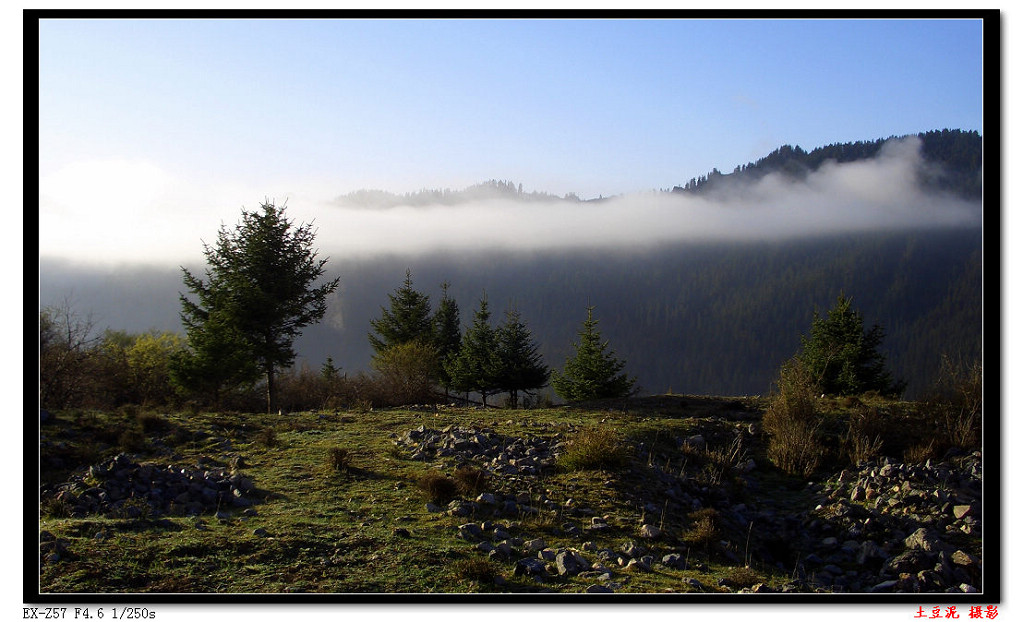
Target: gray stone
[
  {"x": 534, "y": 546},
  {"x": 674, "y": 560},
  {"x": 911, "y": 561},
  {"x": 636, "y": 564},
  {"x": 926, "y": 540},
  {"x": 962, "y": 558},
  {"x": 470, "y": 531},
  {"x": 649, "y": 532},
  {"x": 599, "y": 589},
  {"x": 530, "y": 567},
  {"x": 884, "y": 586},
  {"x": 631, "y": 549},
  {"x": 566, "y": 564}
]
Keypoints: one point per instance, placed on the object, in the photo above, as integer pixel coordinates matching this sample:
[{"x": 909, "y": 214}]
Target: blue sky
[{"x": 168, "y": 120}]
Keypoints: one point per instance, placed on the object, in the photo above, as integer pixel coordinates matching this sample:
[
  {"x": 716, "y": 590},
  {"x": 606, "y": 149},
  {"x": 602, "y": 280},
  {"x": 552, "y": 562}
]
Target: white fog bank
[{"x": 156, "y": 219}]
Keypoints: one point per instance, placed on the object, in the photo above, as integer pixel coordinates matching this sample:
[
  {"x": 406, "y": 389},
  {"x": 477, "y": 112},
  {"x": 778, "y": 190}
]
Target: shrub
[
  {"x": 470, "y": 480},
  {"x": 267, "y": 437},
  {"x": 131, "y": 440},
  {"x": 134, "y": 508},
  {"x": 340, "y": 459},
  {"x": 703, "y": 530},
  {"x": 743, "y": 576},
  {"x": 792, "y": 422},
  {"x": 865, "y": 436},
  {"x": 475, "y": 569},
  {"x": 152, "y": 422},
  {"x": 302, "y": 389},
  {"x": 921, "y": 452},
  {"x": 439, "y": 488},
  {"x": 956, "y": 402},
  {"x": 594, "y": 449},
  {"x": 406, "y": 373},
  {"x": 56, "y": 507}
]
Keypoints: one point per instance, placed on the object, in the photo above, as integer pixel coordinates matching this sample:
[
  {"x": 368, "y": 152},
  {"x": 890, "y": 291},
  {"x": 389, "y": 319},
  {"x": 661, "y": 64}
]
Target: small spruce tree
[
  {"x": 447, "y": 333},
  {"x": 521, "y": 367},
  {"x": 594, "y": 372},
  {"x": 842, "y": 357},
  {"x": 407, "y": 319},
  {"x": 477, "y": 365}
]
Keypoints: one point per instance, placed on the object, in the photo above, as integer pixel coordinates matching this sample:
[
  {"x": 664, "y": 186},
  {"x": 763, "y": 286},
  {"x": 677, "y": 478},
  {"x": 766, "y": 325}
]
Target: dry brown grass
[
  {"x": 792, "y": 422},
  {"x": 439, "y": 488},
  {"x": 601, "y": 448}
]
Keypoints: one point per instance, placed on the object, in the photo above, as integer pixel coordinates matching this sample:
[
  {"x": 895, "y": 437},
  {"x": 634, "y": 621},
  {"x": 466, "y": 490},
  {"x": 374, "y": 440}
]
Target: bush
[
  {"x": 439, "y": 488},
  {"x": 406, "y": 373},
  {"x": 792, "y": 422},
  {"x": 131, "y": 440},
  {"x": 470, "y": 481},
  {"x": 267, "y": 437},
  {"x": 302, "y": 389},
  {"x": 743, "y": 576},
  {"x": 956, "y": 402},
  {"x": 340, "y": 459},
  {"x": 703, "y": 531},
  {"x": 596, "y": 448},
  {"x": 865, "y": 436},
  {"x": 482, "y": 571},
  {"x": 152, "y": 422}
]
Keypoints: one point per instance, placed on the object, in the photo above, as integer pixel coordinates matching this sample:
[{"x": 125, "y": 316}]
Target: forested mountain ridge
[
  {"x": 956, "y": 156},
  {"x": 954, "y": 159}
]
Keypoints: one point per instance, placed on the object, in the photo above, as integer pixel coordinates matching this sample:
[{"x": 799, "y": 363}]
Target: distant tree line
[
  {"x": 487, "y": 190},
  {"x": 958, "y": 155}
]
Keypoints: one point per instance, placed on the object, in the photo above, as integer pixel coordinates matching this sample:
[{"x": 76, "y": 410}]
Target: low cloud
[{"x": 867, "y": 195}]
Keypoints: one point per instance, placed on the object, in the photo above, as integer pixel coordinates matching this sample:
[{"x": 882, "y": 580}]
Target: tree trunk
[{"x": 271, "y": 389}]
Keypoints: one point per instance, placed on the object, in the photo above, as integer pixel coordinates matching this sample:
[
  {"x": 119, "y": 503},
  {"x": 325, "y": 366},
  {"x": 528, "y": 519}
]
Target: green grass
[{"x": 342, "y": 530}]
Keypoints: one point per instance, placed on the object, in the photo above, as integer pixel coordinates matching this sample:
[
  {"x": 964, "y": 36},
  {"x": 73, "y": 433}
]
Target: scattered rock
[{"x": 649, "y": 532}]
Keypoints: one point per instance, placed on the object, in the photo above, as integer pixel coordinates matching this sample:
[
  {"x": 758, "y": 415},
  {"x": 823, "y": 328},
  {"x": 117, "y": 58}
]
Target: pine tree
[
  {"x": 257, "y": 296},
  {"x": 218, "y": 360},
  {"x": 594, "y": 372},
  {"x": 477, "y": 366},
  {"x": 842, "y": 357},
  {"x": 447, "y": 332},
  {"x": 407, "y": 319},
  {"x": 522, "y": 367}
]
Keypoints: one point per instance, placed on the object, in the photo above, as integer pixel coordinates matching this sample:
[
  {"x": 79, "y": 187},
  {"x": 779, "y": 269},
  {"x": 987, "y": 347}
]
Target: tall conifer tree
[{"x": 257, "y": 296}]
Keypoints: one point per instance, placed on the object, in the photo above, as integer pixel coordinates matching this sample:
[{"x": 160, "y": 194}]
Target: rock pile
[
  {"x": 121, "y": 487},
  {"x": 882, "y": 527},
  {"x": 892, "y": 527},
  {"x": 500, "y": 454}
]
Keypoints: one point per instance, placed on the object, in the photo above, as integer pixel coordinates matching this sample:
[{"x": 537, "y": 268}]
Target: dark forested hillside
[
  {"x": 711, "y": 319},
  {"x": 692, "y": 318},
  {"x": 955, "y": 156}
]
